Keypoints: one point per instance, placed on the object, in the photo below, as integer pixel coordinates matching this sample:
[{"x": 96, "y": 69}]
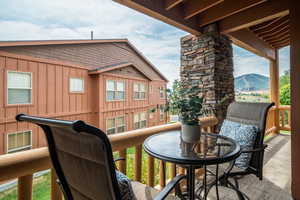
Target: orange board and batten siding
[
  {"x": 129, "y": 106},
  {"x": 51, "y": 96}
]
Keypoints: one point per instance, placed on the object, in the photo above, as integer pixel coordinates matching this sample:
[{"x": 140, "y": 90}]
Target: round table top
[{"x": 210, "y": 149}]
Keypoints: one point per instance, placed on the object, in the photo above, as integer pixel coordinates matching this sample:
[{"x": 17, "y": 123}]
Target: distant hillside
[{"x": 251, "y": 82}]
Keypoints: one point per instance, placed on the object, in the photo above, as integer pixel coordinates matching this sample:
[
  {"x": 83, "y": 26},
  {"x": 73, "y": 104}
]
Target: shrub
[{"x": 285, "y": 95}]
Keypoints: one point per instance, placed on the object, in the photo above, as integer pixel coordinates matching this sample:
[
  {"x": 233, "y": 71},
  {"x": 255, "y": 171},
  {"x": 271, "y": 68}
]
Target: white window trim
[
  {"x": 30, "y": 103},
  {"x": 19, "y": 148},
  {"x": 161, "y": 114},
  {"x": 116, "y": 125},
  {"x": 146, "y": 91},
  {"x": 83, "y": 85},
  {"x": 139, "y": 121},
  {"x": 162, "y": 88},
  {"x": 115, "y": 90}
]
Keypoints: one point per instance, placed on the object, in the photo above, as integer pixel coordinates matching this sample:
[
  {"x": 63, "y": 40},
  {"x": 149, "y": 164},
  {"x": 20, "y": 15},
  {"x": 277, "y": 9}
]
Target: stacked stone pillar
[{"x": 208, "y": 58}]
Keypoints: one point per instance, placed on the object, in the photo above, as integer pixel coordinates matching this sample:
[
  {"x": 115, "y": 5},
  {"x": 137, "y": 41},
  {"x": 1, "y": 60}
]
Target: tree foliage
[
  {"x": 285, "y": 78},
  {"x": 186, "y": 101},
  {"x": 285, "y": 89},
  {"x": 285, "y": 94}
]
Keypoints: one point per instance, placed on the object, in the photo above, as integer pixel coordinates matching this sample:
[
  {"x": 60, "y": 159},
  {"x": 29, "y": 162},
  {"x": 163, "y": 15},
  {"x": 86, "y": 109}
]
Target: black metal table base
[
  {"x": 202, "y": 191},
  {"x": 191, "y": 192}
]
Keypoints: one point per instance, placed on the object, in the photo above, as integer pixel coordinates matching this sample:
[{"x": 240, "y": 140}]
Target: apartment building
[{"x": 107, "y": 83}]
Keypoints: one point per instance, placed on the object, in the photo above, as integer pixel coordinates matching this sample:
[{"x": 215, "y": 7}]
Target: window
[
  {"x": 139, "y": 91},
  {"x": 115, "y": 125},
  {"x": 115, "y": 90},
  {"x": 161, "y": 112},
  {"x": 19, "y": 87},
  {"x": 140, "y": 120},
  {"x": 18, "y": 141},
  {"x": 162, "y": 92},
  {"x": 76, "y": 85}
]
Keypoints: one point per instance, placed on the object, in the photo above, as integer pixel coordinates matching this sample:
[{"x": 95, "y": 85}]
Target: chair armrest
[
  {"x": 119, "y": 159},
  {"x": 255, "y": 150},
  {"x": 169, "y": 187}
]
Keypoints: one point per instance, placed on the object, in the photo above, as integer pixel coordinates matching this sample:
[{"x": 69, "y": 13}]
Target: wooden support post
[
  {"x": 56, "y": 193},
  {"x": 172, "y": 171},
  {"x": 25, "y": 187},
  {"x": 282, "y": 114},
  {"x": 138, "y": 163},
  {"x": 150, "y": 178},
  {"x": 274, "y": 88},
  {"x": 122, "y": 164},
  {"x": 295, "y": 96},
  {"x": 289, "y": 118},
  {"x": 162, "y": 174}
]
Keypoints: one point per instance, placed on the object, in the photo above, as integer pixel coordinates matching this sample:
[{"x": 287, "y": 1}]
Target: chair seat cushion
[
  {"x": 125, "y": 187},
  {"x": 144, "y": 192},
  {"x": 245, "y": 135}
]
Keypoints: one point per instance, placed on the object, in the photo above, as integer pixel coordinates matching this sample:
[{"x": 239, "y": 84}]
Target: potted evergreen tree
[{"x": 187, "y": 101}]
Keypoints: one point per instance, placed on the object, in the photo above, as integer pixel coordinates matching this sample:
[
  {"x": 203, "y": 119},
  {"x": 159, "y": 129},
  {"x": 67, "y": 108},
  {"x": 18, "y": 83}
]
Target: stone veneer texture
[{"x": 208, "y": 58}]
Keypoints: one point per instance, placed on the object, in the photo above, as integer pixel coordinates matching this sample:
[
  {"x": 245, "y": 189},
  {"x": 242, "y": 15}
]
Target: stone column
[{"x": 208, "y": 58}]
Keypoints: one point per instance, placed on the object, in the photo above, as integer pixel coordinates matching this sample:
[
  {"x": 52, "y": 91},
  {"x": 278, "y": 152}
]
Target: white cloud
[
  {"x": 74, "y": 19},
  {"x": 246, "y": 62}
]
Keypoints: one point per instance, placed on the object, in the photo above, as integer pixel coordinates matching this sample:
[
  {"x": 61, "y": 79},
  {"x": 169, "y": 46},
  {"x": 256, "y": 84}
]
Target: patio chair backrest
[
  {"x": 82, "y": 158},
  {"x": 252, "y": 114}
]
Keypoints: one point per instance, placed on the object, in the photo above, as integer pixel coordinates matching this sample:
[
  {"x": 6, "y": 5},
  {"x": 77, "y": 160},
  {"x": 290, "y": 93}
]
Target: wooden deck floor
[{"x": 277, "y": 175}]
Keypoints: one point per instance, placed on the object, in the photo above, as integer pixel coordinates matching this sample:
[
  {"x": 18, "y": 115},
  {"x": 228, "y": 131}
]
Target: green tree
[
  {"x": 285, "y": 94},
  {"x": 285, "y": 78}
]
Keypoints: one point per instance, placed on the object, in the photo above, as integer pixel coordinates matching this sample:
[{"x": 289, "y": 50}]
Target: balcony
[{"x": 139, "y": 167}]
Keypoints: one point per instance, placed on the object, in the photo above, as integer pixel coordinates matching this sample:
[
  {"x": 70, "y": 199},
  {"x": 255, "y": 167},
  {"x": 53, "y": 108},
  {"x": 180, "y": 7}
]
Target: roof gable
[
  {"x": 91, "y": 53},
  {"x": 116, "y": 67}
]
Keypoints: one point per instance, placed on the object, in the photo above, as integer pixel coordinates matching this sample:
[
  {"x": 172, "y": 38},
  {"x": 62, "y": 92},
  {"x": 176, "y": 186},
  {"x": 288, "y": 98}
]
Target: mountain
[{"x": 251, "y": 82}]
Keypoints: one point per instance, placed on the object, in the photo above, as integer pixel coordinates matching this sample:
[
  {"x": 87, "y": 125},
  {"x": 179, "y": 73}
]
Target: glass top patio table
[{"x": 210, "y": 149}]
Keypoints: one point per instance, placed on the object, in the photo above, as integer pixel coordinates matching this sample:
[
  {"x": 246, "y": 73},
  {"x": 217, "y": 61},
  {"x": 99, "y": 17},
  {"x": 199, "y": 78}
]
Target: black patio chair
[
  {"x": 246, "y": 113},
  {"x": 82, "y": 158}
]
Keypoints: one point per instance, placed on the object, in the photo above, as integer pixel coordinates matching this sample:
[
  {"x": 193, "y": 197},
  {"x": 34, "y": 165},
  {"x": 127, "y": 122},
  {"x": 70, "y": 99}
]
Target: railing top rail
[
  {"x": 284, "y": 107},
  {"x": 31, "y": 161}
]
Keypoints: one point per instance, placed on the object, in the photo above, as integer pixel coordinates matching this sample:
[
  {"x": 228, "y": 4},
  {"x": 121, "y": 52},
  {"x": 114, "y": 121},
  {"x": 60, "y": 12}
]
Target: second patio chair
[{"x": 245, "y": 122}]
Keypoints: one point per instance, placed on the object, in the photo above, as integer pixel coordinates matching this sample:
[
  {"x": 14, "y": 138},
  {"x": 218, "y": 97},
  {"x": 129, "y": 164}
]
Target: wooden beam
[
  {"x": 172, "y": 3},
  {"x": 157, "y": 10},
  {"x": 248, "y": 40},
  {"x": 277, "y": 39},
  {"x": 282, "y": 45},
  {"x": 225, "y": 9},
  {"x": 287, "y": 40},
  {"x": 274, "y": 88},
  {"x": 276, "y": 32},
  {"x": 279, "y": 35},
  {"x": 264, "y": 24},
  {"x": 255, "y": 15},
  {"x": 282, "y": 22},
  {"x": 295, "y": 97},
  {"x": 194, "y": 7}
]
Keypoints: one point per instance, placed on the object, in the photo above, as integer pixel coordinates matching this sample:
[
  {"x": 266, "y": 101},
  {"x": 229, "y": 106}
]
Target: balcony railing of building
[{"x": 23, "y": 165}]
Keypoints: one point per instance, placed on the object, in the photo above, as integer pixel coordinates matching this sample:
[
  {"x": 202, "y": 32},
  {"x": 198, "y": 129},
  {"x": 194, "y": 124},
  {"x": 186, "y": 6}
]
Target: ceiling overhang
[{"x": 240, "y": 20}]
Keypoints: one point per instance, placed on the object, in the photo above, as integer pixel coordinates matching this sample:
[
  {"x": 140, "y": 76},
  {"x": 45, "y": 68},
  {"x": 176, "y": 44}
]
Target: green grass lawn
[{"x": 41, "y": 189}]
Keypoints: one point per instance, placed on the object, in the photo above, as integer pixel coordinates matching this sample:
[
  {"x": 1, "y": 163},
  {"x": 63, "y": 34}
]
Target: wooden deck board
[{"x": 277, "y": 177}]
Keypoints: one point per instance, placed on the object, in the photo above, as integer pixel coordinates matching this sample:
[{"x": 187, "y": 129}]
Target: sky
[{"x": 74, "y": 19}]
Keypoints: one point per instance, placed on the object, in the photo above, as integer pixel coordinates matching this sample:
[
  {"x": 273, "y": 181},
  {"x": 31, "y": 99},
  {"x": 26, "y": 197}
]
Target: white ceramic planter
[{"x": 190, "y": 133}]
